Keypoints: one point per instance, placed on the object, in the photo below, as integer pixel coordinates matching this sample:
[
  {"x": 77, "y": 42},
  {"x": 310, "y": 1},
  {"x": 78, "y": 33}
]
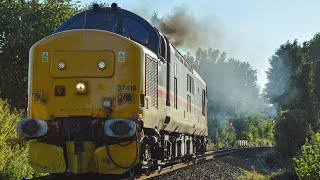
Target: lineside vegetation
[{"x": 293, "y": 88}]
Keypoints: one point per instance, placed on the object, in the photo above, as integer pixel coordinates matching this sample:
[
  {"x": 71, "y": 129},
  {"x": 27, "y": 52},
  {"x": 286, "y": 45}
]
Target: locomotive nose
[{"x": 81, "y": 78}]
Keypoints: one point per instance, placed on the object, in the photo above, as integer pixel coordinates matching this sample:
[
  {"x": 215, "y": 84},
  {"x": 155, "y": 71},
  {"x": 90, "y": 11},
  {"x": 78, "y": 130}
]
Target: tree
[
  {"x": 294, "y": 89},
  {"x": 228, "y": 135},
  {"x": 101, "y": 4},
  {"x": 155, "y": 20},
  {"x": 233, "y": 95},
  {"x": 281, "y": 88},
  {"x": 231, "y": 84},
  {"x": 23, "y": 23}
]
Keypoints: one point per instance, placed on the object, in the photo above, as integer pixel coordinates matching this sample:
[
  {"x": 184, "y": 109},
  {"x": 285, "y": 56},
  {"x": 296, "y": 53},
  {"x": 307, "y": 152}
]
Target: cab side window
[{"x": 163, "y": 53}]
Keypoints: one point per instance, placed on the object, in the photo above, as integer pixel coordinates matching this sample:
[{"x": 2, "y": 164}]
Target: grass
[{"x": 253, "y": 176}]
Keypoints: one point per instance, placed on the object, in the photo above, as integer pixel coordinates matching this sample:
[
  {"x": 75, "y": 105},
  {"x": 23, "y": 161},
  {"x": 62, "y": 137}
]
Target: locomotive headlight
[
  {"x": 62, "y": 65},
  {"x": 32, "y": 128},
  {"x": 102, "y": 65},
  {"x": 81, "y": 87},
  {"x": 120, "y": 128}
]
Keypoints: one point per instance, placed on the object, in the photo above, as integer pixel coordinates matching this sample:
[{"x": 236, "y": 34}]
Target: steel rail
[{"x": 209, "y": 155}]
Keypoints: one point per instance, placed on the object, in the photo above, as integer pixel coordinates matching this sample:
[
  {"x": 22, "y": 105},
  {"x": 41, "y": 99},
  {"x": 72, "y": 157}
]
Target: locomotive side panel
[
  {"x": 187, "y": 110},
  {"x": 155, "y": 105}
]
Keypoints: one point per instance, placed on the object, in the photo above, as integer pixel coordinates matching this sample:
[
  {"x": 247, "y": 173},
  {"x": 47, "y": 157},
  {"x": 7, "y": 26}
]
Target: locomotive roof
[
  {"x": 116, "y": 20},
  {"x": 119, "y": 21}
]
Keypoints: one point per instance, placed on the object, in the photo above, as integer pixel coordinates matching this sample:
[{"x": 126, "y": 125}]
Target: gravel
[{"x": 227, "y": 167}]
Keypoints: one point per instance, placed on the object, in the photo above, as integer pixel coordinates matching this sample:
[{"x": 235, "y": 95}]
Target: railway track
[{"x": 209, "y": 155}]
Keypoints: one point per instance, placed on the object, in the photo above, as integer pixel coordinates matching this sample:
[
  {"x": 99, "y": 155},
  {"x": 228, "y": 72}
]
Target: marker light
[
  {"x": 61, "y": 65},
  {"x": 101, "y": 65},
  {"x": 36, "y": 97},
  {"x": 81, "y": 88}
]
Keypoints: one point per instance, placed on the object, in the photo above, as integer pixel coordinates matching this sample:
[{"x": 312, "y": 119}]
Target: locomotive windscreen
[{"x": 121, "y": 22}]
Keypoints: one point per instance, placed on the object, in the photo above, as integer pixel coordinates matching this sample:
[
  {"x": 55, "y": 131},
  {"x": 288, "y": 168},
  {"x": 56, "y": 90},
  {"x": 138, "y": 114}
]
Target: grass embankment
[{"x": 274, "y": 168}]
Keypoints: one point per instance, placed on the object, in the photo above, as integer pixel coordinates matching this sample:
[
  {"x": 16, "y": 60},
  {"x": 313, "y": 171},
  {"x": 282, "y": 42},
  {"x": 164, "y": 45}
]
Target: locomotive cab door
[
  {"x": 165, "y": 56},
  {"x": 168, "y": 72}
]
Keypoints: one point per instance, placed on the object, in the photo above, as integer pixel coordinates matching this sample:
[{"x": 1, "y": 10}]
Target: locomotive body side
[{"x": 186, "y": 107}]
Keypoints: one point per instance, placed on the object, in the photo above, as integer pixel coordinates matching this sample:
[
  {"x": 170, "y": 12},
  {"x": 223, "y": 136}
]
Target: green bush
[
  {"x": 308, "y": 164},
  {"x": 290, "y": 132},
  {"x": 260, "y": 142},
  {"x": 13, "y": 150},
  {"x": 210, "y": 146}
]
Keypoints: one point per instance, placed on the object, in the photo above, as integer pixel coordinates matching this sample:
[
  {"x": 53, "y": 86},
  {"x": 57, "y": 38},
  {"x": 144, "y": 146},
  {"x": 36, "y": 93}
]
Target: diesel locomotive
[{"x": 109, "y": 94}]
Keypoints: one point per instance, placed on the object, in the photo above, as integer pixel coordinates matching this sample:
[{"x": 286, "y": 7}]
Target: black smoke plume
[{"x": 185, "y": 30}]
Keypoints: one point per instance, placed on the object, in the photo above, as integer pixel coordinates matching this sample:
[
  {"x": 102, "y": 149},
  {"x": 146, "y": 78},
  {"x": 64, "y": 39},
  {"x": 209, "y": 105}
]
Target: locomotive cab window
[
  {"x": 110, "y": 23},
  {"x": 135, "y": 30},
  {"x": 163, "y": 47},
  {"x": 190, "y": 84},
  {"x": 168, "y": 50}
]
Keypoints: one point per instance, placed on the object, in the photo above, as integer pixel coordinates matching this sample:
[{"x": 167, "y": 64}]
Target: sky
[{"x": 250, "y": 30}]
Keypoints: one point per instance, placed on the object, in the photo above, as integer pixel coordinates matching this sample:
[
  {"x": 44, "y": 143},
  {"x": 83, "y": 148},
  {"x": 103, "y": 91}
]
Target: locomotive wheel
[
  {"x": 146, "y": 154},
  {"x": 146, "y": 171},
  {"x": 132, "y": 174}
]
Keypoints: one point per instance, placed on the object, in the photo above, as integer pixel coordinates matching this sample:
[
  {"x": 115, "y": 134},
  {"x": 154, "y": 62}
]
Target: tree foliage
[
  {"x": 291, "y": 131},
  {"x": 307, "y": 164},
  {"x": 233, "y": 96},
  {"x": 258, "y": 130},
  {"x": 294, "y": 88},
  {"x": 23, "y": 23},
  {"x": 13, "y": 150},
  {"x": 231, "y": 84}
]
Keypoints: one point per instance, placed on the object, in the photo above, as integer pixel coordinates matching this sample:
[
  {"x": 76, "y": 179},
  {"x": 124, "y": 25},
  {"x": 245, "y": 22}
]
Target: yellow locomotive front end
[{"x": 84, "y": 88}]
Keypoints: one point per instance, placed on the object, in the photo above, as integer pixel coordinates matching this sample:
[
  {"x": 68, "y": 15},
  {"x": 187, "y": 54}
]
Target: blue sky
[{"x": 251, "y": 30}]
